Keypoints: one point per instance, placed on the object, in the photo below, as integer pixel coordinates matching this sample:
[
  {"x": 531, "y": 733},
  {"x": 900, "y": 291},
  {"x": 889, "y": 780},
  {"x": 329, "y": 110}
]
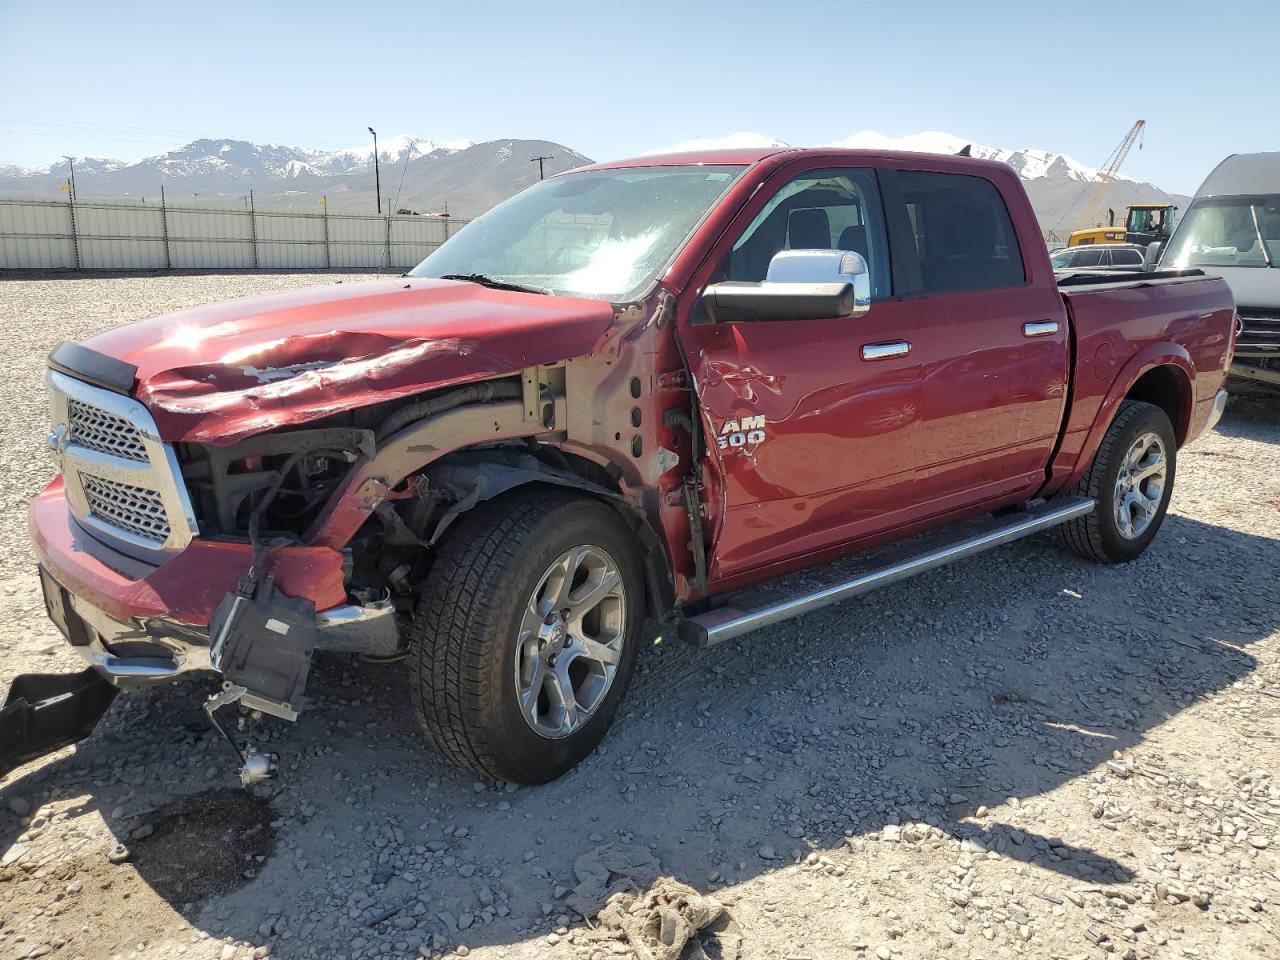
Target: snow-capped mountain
[
  {"x": 240, "y": 158},
  {"x": 1031, "y": 164},
  {"x": 424, "y": 175},
  {"x": 391, "y": 150},
  {"x": 416, "y": 174},
  {"x": 62, "y": 167}
]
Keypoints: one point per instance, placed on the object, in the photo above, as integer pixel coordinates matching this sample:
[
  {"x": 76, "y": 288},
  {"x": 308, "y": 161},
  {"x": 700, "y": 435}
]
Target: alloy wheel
[
  {"x": 1140, "y": 485},
  {"x": 570, "y": 642}
]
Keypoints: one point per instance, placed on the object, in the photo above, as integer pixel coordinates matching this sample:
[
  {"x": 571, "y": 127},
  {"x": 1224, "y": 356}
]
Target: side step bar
[{"x": 728, "y": 622}]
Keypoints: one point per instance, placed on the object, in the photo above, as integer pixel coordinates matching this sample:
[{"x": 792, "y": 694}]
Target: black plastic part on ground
[{"x": 47, "y": 711}]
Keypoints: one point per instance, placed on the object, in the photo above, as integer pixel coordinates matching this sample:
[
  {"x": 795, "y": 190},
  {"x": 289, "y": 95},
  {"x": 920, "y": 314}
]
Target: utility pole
[
  {"x": 377, "y": 178},
  {"x": 539, "y": 161},
  {"x": 72, "y": 162}
]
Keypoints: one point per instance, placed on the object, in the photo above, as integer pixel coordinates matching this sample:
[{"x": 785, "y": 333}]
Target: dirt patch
[{"x": 205, "y": 843}]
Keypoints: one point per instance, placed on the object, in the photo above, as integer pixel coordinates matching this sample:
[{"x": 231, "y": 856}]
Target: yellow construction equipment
[
  {"x": 1144, "y": 223},
  {"x": 1092, "y": 230}
]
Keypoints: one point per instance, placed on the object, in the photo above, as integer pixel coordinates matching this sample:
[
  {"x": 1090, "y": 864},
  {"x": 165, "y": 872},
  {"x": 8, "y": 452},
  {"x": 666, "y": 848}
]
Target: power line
[
  {"x": 122, "y": 127},
  {"x": 408, "y": 152},
  {"x": 85, "y": 136}
]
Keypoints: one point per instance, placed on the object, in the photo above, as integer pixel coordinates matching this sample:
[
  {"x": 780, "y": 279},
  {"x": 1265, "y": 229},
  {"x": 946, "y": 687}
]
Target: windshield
[
  {"x": 605, "y": 234},
  {"x": 1061, "y": 259},
  {"x": 1228, "y": 232}
]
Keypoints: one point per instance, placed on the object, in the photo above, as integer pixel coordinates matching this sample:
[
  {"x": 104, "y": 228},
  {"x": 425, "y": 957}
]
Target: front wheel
[
  {"x": 1131, "y": 478},
  {"x": 526, "y": 634}
]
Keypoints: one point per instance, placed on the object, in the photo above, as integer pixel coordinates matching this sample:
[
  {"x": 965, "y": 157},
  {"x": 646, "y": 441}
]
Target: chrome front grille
[
  {"x": 99, "y": 430},
  {"x": 122, "y": 482},
  {"x": 1259, "y": 333},
  {"x": 135, "y": 509}
]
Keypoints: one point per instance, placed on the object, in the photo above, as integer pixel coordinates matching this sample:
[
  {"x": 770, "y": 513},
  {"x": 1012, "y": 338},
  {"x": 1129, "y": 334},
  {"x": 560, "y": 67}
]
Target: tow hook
[
  {"x": 45, "y": 712},
  {"x": 255, "y": 766}
]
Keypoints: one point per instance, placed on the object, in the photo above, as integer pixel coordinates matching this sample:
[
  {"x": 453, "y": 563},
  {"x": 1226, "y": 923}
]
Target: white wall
[{"x": 51, "y": 234}]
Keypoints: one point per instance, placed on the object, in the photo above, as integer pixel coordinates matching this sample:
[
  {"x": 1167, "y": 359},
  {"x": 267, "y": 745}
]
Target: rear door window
[
  {"x": 1126, "y": 258},
  {"x": 964, "y": 237}
]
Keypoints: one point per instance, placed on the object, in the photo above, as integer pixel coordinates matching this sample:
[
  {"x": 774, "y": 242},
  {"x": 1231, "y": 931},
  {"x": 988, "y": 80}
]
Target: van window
[
  {"x": 1227, "y": 232},
  {"x": 963, "y": 234},
  {"x": 819, "y": 210}
]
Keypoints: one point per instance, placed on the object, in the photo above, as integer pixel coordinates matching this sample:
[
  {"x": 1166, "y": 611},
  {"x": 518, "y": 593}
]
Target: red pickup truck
[{"x": 636, "y": 396}]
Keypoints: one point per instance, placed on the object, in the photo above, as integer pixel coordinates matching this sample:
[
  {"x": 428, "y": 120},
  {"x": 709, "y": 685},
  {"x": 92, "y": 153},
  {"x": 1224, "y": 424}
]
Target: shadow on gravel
[
  {"x": 205, "y": 843},
  {"x": 1252, "y": 418},
  {"x": 996, "y": 679}
]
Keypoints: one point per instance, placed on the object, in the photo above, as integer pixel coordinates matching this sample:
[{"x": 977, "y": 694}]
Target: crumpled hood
[{"x": 219, "y": 373}]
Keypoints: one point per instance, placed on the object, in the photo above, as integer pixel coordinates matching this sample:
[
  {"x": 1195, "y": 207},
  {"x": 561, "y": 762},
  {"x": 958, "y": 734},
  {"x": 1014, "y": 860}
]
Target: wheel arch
[
  {"x": 482, "y": 476},
  {"x": 1168, "y": 387},
  {"x": 1162, "y": 374}
]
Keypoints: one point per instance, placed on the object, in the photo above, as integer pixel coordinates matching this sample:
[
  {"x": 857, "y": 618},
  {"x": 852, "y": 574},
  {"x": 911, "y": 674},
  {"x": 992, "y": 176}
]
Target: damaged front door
[{"x": 810, "y": 423}]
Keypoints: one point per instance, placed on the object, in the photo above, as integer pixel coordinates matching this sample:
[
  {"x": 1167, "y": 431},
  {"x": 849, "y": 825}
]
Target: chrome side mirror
[{"x": 824, "y": 266}]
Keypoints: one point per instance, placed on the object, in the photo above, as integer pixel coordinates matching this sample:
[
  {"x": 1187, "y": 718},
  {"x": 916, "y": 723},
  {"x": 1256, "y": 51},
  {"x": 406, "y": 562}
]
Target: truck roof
[
  {"x": 751, "y": 155},
  {"x": 1242, "y": 174}
]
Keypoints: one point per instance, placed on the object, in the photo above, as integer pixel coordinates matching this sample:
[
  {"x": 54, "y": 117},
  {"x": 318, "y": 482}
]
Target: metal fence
[{"x": 79, "y": 235}]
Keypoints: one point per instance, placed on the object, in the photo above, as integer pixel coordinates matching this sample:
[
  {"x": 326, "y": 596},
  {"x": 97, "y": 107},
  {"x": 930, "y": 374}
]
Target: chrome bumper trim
[
  {"x": 1216, "y": 411},
  {"x": 349, "y": 628},
  {"x": 370, "y": 629}
]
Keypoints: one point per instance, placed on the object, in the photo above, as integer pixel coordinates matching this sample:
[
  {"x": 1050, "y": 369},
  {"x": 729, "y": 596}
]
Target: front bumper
[
  {"x": 139, "y": 624},
  {"x": 1259, "y": 371}
]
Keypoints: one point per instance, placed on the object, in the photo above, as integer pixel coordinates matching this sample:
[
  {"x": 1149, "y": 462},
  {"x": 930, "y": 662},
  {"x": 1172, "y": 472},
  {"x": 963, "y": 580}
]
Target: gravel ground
[{"x": 1023, "y": 755}]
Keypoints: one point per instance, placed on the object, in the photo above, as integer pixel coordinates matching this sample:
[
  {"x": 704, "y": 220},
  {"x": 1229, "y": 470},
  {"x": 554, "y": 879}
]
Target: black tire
[
  {"x": 1098, "y": 536},
  {"x": 463, "y": 647}
]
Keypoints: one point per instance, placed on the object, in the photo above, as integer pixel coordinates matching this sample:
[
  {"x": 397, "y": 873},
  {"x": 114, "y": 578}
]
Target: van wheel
[
  {"x": 526, "y": 634},
  {"x": 1131, "y": 478}
]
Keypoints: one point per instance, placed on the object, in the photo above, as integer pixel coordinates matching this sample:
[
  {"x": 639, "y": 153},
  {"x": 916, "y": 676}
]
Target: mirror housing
[
  {"x": 1152, "y": 256},
  {"x": 799, "y": 285},
  {"x": 740, "y": 301}
]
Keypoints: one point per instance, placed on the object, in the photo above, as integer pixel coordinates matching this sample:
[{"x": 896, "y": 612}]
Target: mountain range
[
  {"x": 417, "y": 174},
  {"x": 466, "y": 178}
]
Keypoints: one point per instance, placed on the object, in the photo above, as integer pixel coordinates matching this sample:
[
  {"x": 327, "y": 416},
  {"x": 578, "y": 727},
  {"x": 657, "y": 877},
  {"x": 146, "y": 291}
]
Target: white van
[{"x": 1232, "y": 230}]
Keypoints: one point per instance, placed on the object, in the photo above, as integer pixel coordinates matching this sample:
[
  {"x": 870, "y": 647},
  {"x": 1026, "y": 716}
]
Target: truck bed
[{"x": 1124, "y": 324}]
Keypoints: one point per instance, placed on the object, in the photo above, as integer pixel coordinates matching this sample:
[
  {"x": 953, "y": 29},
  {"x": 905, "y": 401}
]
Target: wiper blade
[
  {"x": 1257, "y": 232},
  {"x": 492, "y": 282}
]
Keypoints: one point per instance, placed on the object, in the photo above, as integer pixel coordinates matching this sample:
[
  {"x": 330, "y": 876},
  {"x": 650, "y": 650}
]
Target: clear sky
[{"x": 129, "y": 79}]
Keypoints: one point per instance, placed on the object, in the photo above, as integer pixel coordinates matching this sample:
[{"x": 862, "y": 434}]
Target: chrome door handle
[
  {"x": 1039, "y": 328},
  {"x": 883, "y": 351}
]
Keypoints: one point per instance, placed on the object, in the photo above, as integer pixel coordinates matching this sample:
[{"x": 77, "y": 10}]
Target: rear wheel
[
  {"x": 1131, "y": 478},
  {"x": 526, "y": 634}
]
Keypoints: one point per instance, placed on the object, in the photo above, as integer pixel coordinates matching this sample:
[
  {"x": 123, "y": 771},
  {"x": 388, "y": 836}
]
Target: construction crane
[{"x": 1108, "y": 172}]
